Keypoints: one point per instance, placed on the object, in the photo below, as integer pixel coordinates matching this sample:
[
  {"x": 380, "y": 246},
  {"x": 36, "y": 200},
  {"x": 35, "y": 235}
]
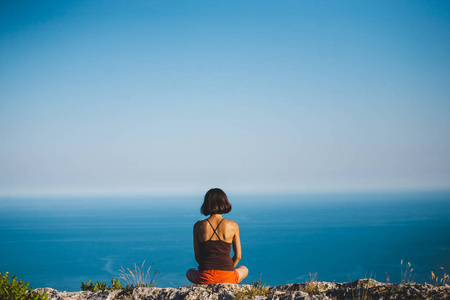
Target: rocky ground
[{"x": 360, "y": 289}]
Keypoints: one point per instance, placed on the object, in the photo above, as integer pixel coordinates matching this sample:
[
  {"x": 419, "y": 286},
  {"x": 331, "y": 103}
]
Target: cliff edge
[{"x": 360, "y": 289}]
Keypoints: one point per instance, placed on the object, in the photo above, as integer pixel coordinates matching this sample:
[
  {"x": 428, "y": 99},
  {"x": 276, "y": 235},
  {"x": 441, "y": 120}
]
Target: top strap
[{"x": 214, "y": 233}]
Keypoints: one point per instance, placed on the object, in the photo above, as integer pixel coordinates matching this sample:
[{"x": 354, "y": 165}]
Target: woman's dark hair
[{"x": 216, "y": 202}]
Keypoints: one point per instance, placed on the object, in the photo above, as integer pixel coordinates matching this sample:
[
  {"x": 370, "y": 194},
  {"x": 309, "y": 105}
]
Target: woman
[{"x": 213, "y": 238}]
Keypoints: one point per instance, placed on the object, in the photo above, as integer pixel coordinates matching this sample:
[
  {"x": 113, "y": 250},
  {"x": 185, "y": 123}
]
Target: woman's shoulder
[
  {"x": 231, "y": 223},
  {"x": 199, "y": 223}
]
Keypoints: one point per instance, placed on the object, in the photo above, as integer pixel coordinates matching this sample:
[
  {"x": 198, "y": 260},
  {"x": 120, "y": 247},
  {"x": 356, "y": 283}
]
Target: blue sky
[{"x": 251, "y": 96}]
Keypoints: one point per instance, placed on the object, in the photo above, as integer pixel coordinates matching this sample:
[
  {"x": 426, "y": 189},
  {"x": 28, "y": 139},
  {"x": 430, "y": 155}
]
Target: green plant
[
  {"x": 139, "y": 277},
  {"x": 12, "y": 289},
  {"x": 115, "y": 284},
  {"x": 406, "y": 275},
  {"x": 101, "y": 286},
  {"x": 256, "y": 289},
  {"x": 89, "y": 286}
]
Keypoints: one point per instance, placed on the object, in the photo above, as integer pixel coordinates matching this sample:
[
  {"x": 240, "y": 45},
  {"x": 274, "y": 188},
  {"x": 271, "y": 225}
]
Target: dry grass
[
  {"x": 443, "y": 280},
  {"x": 406, "y": 275},
  {"x": 139, "y": 277},
  {"x": 360, "y": 288},
  {"x": 311, "y": 284},
  {"x": 256, "y": 289}
]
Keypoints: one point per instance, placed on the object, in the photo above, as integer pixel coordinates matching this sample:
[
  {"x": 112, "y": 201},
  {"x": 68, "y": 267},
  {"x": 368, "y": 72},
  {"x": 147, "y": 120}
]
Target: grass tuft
[
  {"x": 139, "y": 277},
  {"x": 444, "y": 279},
  {"x": 256, "y": 289},
  {"x": 407, "y": 274},
  {"x": 312, "y": 287}
]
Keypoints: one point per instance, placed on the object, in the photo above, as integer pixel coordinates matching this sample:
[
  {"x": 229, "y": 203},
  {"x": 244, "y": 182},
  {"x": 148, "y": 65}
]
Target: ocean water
[{"x": 61, "y": 242}]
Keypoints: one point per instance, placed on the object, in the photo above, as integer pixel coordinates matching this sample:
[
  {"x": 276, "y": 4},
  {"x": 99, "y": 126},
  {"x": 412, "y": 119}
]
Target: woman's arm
[
  {"x": 196, "y": 247},
  {"x": 236, "y": 246}
]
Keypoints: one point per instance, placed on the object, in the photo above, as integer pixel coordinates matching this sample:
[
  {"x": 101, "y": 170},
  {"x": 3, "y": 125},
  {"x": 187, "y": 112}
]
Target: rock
[{"x": 360, "y": 289}]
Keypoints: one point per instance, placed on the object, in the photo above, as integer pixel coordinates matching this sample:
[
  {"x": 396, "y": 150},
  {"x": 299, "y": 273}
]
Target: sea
[{"x": 59, "y": 242}]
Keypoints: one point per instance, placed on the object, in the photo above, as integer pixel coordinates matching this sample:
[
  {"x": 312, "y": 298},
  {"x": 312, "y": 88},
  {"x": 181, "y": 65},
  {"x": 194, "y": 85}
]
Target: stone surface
[{"x": 360, "y": 289}]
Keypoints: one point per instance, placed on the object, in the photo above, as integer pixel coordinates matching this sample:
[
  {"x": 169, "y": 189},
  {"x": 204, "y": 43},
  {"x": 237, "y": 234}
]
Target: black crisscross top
[
  {"x": 217, "y": 227},
  {"x": 215, "y": 254}
]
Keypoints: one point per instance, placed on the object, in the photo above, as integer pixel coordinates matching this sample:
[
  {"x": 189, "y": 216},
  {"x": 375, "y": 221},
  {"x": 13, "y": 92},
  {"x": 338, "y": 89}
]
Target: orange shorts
[{"x": 216, "y": 276}]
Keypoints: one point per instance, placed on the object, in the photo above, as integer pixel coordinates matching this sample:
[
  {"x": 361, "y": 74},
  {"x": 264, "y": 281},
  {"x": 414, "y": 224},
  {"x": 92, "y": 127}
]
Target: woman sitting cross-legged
[{"x": 213, "y": 238}]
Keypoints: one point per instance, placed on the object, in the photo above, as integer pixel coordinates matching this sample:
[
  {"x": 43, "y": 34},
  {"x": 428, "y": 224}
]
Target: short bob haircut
[{"x": 216, "y": 202}]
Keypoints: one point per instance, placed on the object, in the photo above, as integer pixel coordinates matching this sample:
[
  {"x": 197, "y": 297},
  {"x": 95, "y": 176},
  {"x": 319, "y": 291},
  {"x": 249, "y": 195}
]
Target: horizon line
[{"x": 149, "y": 193}]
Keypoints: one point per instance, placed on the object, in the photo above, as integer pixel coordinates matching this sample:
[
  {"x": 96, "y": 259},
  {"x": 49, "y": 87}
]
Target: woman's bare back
[{"x": 225, "y": 229}]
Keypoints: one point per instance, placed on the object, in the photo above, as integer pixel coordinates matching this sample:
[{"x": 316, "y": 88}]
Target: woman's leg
[
  {"x": 191, "y": 274},
  {"x": 242, "y": 271}
]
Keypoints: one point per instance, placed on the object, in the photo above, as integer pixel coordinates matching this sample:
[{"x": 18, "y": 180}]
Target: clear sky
[{"x": 251, "y": 96}]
